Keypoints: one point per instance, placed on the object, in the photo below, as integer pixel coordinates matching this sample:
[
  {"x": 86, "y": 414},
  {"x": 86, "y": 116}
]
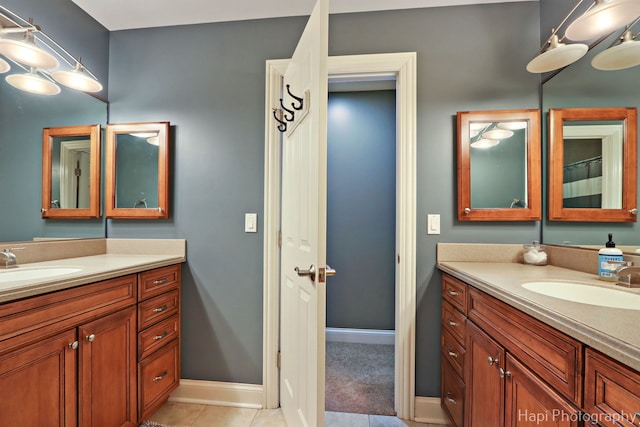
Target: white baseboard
[
  {"x": 428, "y": 410},
  {"x": 361, "y": 336},
  {"x": 219, "y": 393}
]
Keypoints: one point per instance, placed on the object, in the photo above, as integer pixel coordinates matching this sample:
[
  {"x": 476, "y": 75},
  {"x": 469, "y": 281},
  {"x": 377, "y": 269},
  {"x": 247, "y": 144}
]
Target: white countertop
[
  {"x": 92, "y": 269},
  {"x": 613, "y": 331}
]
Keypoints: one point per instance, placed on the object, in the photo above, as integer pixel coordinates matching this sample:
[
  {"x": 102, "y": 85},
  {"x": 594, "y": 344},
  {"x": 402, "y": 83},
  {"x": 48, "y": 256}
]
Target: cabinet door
[
  {"x": 108, "y": 371},
  {"x": 38, "y": 384},
  {"x": 529, "y": 401},
  {"x": 484, "y": 398}
]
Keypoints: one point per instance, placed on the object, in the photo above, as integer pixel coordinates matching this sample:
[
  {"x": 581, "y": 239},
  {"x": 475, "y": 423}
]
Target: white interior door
[{"x": 304, "y": 195}]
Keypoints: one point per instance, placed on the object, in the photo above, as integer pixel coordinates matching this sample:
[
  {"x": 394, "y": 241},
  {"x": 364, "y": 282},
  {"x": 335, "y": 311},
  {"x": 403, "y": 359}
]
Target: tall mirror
[
  {"x": 499, "y": 170},
  {"x": 137, "y": 171},
  {"x": 71, "y": 172},
  {"x": 593, "y": 164}
]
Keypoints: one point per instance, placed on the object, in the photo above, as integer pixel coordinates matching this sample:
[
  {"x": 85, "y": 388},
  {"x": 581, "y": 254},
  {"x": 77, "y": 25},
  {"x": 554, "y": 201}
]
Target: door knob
[
  {"x": 330, "y": 271},
  {"x": 311, "y": 272}
]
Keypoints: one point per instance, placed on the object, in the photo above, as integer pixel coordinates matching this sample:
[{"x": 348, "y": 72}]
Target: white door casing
[
  {"x": 402, "y": 67},
  {"x": 303, "y": 226}
]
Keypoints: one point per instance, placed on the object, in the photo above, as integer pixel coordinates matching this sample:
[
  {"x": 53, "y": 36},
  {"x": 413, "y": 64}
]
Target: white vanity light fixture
[
  {"x": 41, "y": 60},
  {"x": 4, "y": 66},
  {"x": 32, "y": 82},
  {"x": 558, "y": 55},
  {"x": 624, "y": 55},
  {"x": 602, "y": 18}
]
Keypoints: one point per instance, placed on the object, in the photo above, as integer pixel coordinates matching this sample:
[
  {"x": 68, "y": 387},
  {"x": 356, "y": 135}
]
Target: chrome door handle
[
  {"x": 330, "y": 271},
  {"x": 311, "y": 272}
]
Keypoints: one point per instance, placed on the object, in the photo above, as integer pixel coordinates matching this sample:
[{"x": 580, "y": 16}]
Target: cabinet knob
[
  {"x": 467, "y": 210},
  {"x": 493, "y": 361},
  {"x": 453, "y": 293},
  {"x": 451, "y": 399},
  {"x": 452, "y": 323},
  {"x": 452, "y": 353},
  {"x": 161, "y": 336},
  {"x": 73, "y": 345},
  {"x": 633, "y": 211},
  {"x": 91, "y": 337},
  {"x": 504, "y": 373},
  {"x": 161, "y": 376}
]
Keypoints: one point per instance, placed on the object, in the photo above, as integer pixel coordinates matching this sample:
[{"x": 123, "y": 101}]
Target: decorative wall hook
[
  {"x": 300, "y": 100},
  {"x": 282, "y": 127},
  {"x": 292, "y": 114}
]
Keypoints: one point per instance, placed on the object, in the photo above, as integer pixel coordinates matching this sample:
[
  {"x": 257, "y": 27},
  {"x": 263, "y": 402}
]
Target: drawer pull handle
[
  {"x": 91, "y": 337},
  {"x": 161, "y": 376},
  {"x": 504, "y": 373},
  {"x": 493, "y": 361},
  {"x": 160, "y": 309},
  {"x": 636, "y": 415},
  {"x": 452, "y": 353},
  {"x": 161, "y": 281},
  {"x": 452, "y": 323},
  {"x": 450, "y": 399},
  {"x": 159, "y": 337},
  {"x": 453, "y": 293}
]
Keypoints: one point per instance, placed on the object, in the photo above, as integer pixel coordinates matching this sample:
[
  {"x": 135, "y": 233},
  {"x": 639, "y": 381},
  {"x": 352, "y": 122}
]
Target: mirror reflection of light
[
  {"x": 512, "y": 125},
  {"x": 497, "y": 134},
  {"x": 485, "y": 143}
]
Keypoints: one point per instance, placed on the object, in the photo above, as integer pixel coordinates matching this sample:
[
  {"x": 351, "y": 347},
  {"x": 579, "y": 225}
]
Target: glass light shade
[
  {"x": 77, "y": 79},
  {"x": 27, "y": 53},
  {"x": 154, "y": 140},
  {"x": 624, "y": 55},
  {"x": 512, "y": 125},
  {"x": 32, "y": 83},
  {"x": 496, "y": 133},
  {"x": 4, "y": 66},
  {"x": 558, "y": 55},
  {"x": 603, "y": 18},
  {"x": 484, "y": 143}
]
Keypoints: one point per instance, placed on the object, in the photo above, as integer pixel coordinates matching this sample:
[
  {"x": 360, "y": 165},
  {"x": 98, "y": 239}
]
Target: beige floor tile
[
  {"x": 225, "y": 416},
  {"x": 341, "y": 419},
  {"x": 177, "y": 414},
  {"x": 269, "y": 418},
  {"x": 383, "y": 421}
]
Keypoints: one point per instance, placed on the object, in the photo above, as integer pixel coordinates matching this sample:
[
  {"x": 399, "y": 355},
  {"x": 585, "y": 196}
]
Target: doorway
[
  {"x": 363, "y": 68},
  {"x": 361, "y": 221}
]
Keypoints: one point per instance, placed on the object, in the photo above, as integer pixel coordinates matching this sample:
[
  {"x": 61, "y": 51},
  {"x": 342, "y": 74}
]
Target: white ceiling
[{"x": 128, "y": 14}]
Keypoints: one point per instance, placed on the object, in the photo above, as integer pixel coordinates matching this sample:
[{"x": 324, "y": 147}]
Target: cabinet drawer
[
  {"x": 611, "y": 391},
  {"x": 158, "y": 308},
  {"x": 157, "y": 336},
  {"x": 455, "y": 292},
  {"x": 453, "y": 352},
  {"x": 452, "y": 395},
  {"x": 158, "y": 281},
  {"x": 158, "y": 375},
  {"x": 552, "y": 355},
  {"x": 454, "y": 322}
]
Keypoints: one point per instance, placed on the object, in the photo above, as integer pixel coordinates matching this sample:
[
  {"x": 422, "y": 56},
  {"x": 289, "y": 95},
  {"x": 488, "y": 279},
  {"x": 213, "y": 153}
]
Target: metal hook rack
[{"x": 284, "y": 115}]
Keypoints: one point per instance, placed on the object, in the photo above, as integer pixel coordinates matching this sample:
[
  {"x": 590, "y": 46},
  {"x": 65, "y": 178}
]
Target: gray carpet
[{"x": 359, "y": 378}]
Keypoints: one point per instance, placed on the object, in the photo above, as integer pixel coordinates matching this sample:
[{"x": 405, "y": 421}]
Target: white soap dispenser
[{"x": 605, "y": 255}]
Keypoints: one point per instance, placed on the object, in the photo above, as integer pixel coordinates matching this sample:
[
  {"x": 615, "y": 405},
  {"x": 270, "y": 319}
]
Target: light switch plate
[
  {"x": 433, "y": 223},
  {"x": 251, "y": 223}
]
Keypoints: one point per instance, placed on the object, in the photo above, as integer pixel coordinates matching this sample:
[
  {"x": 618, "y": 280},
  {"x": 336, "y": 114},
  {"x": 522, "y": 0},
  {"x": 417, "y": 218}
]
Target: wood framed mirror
[
  {"x": 499, "y": 169},
  {"x": 137, "y": 171},
  {"x": 71, "y": 172},
  {"x": 593, "y": 164}
]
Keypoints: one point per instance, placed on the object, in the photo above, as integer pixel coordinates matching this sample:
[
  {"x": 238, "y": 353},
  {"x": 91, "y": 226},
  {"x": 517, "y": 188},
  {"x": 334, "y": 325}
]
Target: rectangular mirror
[
  {"x": 499, "y": 170},
  {"x": 593, "y": 164},
  {"x": 71, "y": 172},
  {"x": 137, "y": 171}
]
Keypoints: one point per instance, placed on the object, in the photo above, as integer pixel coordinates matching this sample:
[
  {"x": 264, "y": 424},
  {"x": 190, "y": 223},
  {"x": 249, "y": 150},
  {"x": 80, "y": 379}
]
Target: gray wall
[
  {"x": 361, "y": 209},
  {"x": 208, "y": 81}
]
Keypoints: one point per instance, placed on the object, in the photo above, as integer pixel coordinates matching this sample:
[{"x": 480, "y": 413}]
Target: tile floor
[{"x": 193, "y": 415}]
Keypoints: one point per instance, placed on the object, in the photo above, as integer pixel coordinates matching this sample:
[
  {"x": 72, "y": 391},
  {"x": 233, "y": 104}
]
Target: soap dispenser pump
[{"x": 609, "y": 258}]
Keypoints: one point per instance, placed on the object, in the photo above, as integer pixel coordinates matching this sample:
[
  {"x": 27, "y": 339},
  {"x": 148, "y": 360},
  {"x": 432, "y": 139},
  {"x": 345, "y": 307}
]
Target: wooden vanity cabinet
[
  {"x": 611, "y": 392},
  {"x": 158, "y": 337},
  {"x": 80, "y": 357},
  {"x": 517, "y": 370}
]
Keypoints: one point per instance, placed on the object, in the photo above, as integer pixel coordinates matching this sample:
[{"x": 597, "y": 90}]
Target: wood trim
[
  {"x": 557, "y": 116},
  {"x": 93, "y": 133},
  {"x": 533, "y": 210}
]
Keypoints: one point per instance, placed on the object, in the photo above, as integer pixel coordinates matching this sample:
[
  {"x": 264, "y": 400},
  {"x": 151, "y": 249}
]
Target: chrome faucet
[
  {"x": 628, "y": 274},
  {"x": 8, "y": 259}
]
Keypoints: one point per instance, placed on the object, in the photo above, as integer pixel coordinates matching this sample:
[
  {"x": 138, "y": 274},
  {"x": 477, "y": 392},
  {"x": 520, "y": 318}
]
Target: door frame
[{"x": 402, "y": 67}]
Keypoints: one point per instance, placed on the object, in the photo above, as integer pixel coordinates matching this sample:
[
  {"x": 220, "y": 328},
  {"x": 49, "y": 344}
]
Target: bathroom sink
[
  {"x": 19, "y": 274},
  {"x": 586, "y": 294}
]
